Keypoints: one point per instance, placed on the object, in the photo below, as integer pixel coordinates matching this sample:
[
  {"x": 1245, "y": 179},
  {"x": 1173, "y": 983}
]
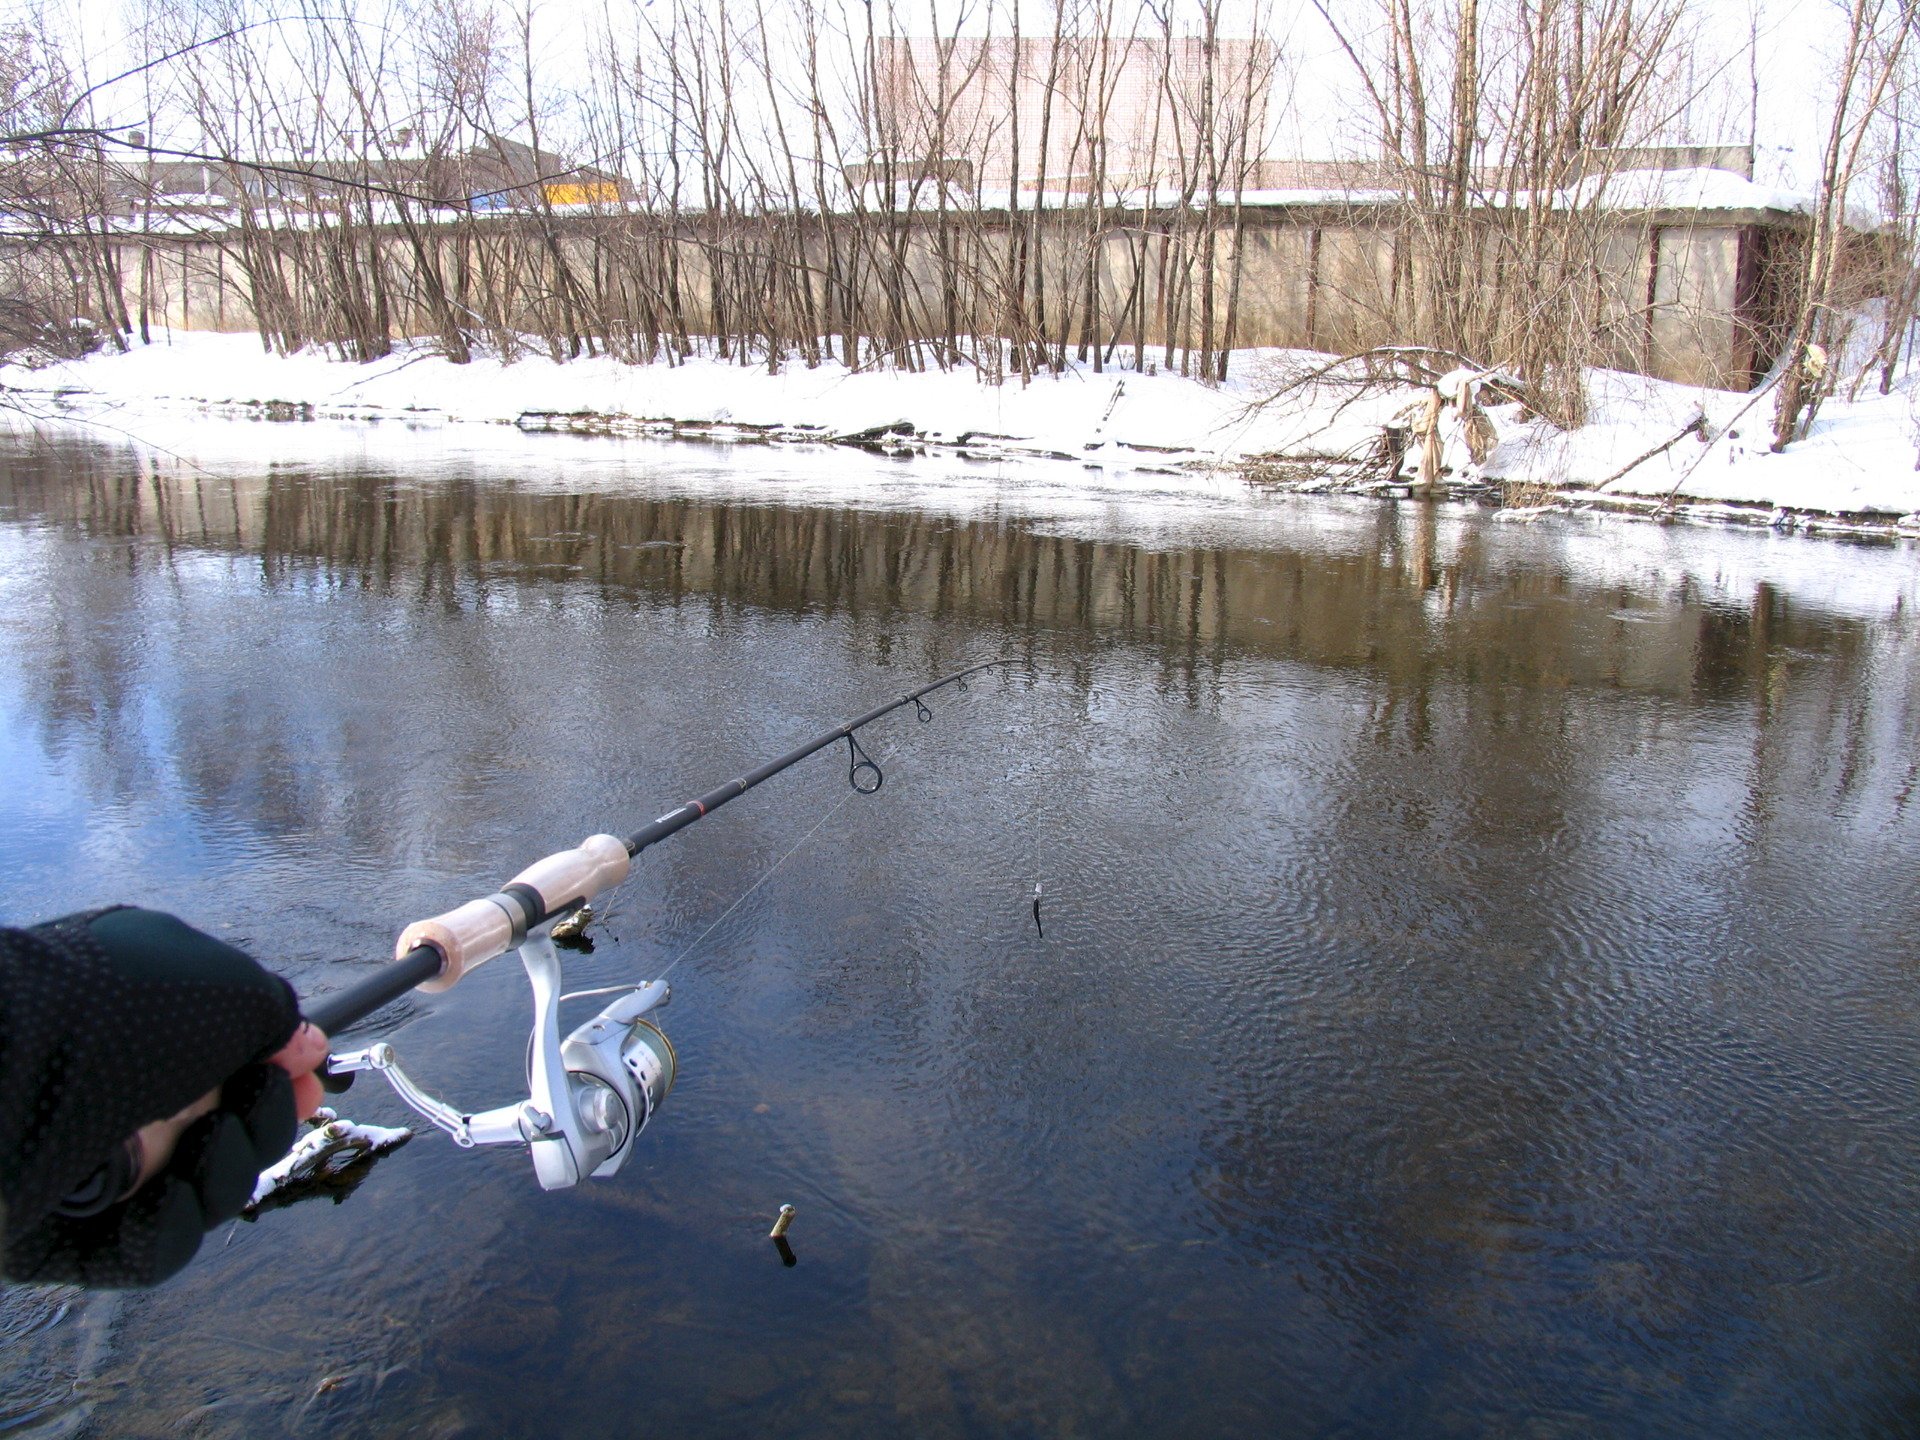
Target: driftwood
[
  {"x": 1765, "y": 390},
  {"x": 1393, "y": 367}
]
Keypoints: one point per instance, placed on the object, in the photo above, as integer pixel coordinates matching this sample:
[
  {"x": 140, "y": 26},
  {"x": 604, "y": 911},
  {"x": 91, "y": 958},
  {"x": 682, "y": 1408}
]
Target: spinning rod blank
[{"x": 433, "y": 954}]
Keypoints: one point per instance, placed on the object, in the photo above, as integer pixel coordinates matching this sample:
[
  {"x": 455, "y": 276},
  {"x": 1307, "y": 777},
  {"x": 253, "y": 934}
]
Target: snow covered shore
[{"x": 1856, "y": 471}]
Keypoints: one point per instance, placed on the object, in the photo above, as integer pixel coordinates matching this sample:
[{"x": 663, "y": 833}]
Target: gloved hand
[{"x": 110, "y": 1022}]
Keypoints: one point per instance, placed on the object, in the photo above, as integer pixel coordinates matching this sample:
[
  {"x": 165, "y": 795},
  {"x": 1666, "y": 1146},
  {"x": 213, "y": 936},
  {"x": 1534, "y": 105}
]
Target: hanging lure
[
  {"x": 593, "y": 1092},
  {"x": 1036, "y": 910}
]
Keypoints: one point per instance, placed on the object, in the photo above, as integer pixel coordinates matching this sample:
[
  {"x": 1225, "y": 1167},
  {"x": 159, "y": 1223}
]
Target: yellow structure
[{"x": 594, "y": 192}]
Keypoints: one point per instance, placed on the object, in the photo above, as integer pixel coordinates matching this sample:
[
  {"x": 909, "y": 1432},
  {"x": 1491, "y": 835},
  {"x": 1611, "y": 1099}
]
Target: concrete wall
[
  {"x": 1665, "y": 297},
  {"x": 1693, "y": 328}
]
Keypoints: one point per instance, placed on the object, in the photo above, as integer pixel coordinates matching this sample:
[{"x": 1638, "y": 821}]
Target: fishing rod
[{"x": 593, "y": 1093}]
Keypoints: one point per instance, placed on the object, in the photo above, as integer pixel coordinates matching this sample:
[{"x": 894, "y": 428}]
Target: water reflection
[
  {"x": 1475, "y": 997},
  {"x": 1371, "y": 597}
]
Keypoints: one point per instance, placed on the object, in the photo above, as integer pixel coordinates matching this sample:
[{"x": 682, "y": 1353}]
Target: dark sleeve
[{"x": 110, "y": 1020}]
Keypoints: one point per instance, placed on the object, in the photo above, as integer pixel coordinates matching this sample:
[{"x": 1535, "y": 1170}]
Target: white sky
[{"x": 1797, "y": 40}]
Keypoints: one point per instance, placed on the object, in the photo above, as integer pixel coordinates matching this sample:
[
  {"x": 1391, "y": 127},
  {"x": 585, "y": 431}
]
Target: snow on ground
[
  {"x": 1062, "y": 414},
  {"x": 1859, "y": 459}
]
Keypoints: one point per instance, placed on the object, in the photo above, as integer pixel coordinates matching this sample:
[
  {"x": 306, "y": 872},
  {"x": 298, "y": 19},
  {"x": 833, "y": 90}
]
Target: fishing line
[
  {"x": 435, "y": 952},
  {"x": 767, "y": 874}
]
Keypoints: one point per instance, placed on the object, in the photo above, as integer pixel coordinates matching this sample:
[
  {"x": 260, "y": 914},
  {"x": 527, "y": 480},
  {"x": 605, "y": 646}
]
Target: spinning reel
[{"x": 590, "y": 1095}]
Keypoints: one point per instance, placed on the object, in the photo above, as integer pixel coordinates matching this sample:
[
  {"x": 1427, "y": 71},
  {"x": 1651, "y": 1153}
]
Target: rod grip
[
  {"x": 575, "y": 876},
  {"x": 335, "y": 1012},
  {"x": 475, "y": 932},
  {"x": 465, "y": 937}
]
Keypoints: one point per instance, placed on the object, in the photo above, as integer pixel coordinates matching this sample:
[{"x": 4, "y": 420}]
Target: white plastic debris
[{"x": 327, "y": 1149}]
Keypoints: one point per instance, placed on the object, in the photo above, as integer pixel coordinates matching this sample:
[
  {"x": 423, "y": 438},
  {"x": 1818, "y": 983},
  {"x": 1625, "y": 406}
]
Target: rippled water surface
[{"x": 1479, "y": 991}]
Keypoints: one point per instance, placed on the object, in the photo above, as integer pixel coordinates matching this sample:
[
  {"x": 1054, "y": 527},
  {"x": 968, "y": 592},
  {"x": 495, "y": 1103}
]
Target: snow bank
[
  {"x": 1858, "y": 462},
  {"x": 1061, "y": 415}
]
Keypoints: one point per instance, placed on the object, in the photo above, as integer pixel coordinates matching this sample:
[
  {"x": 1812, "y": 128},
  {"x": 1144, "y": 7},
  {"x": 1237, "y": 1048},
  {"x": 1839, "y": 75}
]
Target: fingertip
[{"x": 304, "y": 1052}]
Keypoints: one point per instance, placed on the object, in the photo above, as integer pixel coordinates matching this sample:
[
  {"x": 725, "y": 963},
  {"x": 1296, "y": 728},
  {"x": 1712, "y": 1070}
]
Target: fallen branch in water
[{"x": 322, "y": 1157}]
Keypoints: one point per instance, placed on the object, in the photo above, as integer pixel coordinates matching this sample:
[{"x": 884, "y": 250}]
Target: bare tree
[
  {"x": 1510, "y": 194},
  {"x": 1865, "y": 86}
]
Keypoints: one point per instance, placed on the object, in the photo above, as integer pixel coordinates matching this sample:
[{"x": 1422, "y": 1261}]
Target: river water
[{"x": 1479, "y": 991}]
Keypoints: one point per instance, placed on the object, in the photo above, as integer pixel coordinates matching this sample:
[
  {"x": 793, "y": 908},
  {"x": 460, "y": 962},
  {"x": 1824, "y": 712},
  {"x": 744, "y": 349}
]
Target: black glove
[{"x": 108, "y": 1021}]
